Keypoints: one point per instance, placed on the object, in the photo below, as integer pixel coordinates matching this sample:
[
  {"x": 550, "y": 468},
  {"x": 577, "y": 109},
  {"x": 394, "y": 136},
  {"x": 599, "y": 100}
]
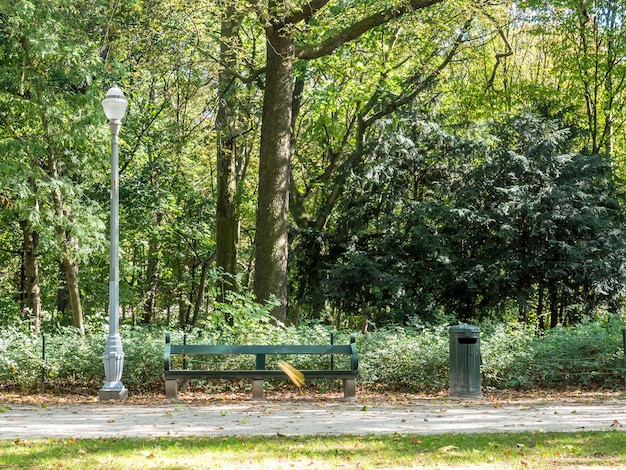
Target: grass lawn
[{"x": 536, "y": 450}]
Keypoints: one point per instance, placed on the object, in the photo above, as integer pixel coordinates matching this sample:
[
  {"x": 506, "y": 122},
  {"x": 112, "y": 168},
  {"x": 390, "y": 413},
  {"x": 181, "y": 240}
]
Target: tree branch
[
  {"x": 306, "y": 12},
  {"x": 500, "y": 55},
  {"x": 330, "y": 44},
  {"x": 252, "y": 77},
  {"x": 416, "y": 84},
  {"x": 260, "y": 13}
]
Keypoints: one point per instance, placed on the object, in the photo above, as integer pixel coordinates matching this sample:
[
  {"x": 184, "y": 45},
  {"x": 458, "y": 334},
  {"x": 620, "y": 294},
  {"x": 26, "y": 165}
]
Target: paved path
[{"x": 306, "y": 417}]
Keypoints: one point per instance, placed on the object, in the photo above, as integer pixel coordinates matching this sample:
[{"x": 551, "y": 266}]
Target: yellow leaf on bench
[{"x": 294, "y": 374}]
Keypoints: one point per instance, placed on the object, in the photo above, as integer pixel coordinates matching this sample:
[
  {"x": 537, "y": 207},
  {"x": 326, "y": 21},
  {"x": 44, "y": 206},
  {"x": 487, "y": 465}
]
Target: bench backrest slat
[{"x": 224, "y": 349}]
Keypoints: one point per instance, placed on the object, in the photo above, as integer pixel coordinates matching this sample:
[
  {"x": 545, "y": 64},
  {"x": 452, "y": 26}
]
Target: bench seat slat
[{"x": 257, "y": 374}]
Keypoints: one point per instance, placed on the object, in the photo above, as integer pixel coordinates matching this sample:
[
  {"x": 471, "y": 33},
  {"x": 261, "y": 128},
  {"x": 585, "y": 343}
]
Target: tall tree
[
  {"x": 599, "y": 69},
  {"x": 234, "y": 131},
  {"x": 47, "y": 67},
  {"x": 287, "y": 39}
]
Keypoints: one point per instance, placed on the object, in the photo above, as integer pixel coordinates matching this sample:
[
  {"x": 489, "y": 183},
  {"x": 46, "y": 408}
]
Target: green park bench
[{"x": 259, "y": 373}]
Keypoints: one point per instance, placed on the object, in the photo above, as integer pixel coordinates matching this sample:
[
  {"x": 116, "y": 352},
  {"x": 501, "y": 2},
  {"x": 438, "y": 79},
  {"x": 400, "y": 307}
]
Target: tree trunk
[
  {"x": 554, "y": 308},
  {"x": 200, "y": 293},
  {"x": 31, "y": 271},
  {"x": 68, "y": 243},
  {"x": 183, "y": 313},
  {"x": 62, "y": 293},
  {"x": 226, "y": 124},
  {"x": 63, "y": 212},
  {"x": 149, "y": 303},
  {"x": 152, "y": 287},
  {"x": 540, "y": 313},
  {"x": 71, "y": 275},
  {"x": 271, "y": 241}
]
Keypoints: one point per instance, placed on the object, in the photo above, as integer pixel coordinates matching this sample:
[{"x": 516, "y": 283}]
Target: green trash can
[{"x": 465, "y": 361}]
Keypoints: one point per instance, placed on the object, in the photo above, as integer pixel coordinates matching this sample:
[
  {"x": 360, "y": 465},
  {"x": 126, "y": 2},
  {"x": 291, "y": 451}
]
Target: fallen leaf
[
  {"x": 447, "y": 449},
  {"x": 294, "y": 374}
]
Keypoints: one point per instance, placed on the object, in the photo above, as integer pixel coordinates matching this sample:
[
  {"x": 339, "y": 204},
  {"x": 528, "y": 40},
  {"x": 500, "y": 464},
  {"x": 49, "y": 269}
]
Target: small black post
[
  {"x": 332, "y": 357},
  {"x": 43, "y": 362},
  {"x": 624, "y": 345},
  {"x": 185, "y": 381}
]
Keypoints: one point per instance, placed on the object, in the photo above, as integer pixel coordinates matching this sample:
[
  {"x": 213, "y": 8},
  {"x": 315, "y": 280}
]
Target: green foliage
[
  {"x": 404, "y": 359},
  {"x": 72, "y": 361},
  {"x": 534, "y": 215},
  {"x": 20, "y": 358},
  {"x": 589, "y": 354},
  {"x": 506, "y": 352},
  {"x": 410, "y": 359},
  {"x": 143, "y": 358},
  {"x": 475, "y": 227}
]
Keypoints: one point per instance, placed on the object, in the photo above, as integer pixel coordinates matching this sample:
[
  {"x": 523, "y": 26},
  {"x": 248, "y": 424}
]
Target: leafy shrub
[
  {"x": 143, "y": 359},
  {"x": 20, "y": 358},
  {"x": 586, "y": 355},
  {"x": 72, "y": 361},
  {"x": 506, "y": 353},
  {"x": 406, "y": 359},
  {"x": 569, "y": 355}
]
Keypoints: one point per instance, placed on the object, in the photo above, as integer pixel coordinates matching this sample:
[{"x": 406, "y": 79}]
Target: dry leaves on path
[{"x": 198, "y": 397}]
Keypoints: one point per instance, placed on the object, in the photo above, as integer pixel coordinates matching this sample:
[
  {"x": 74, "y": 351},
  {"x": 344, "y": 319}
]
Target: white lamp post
[{"x": 114, "y": 105}]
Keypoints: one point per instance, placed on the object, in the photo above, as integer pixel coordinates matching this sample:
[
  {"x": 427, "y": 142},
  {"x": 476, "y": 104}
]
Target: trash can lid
[{"x": 464, "y": 328}]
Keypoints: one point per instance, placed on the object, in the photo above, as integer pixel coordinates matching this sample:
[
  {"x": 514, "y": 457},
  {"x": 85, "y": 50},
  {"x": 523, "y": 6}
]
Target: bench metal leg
[
  {"x": 257, "y": 389},
  {"x": 349, "y": 388},
  {"x": 171, "y": 389}
]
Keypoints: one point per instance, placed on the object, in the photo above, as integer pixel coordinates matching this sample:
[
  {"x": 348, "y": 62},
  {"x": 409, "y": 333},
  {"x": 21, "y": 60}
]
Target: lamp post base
[
  {"x": 113, "y": 359},
  {"x": 117, "y": 395}
]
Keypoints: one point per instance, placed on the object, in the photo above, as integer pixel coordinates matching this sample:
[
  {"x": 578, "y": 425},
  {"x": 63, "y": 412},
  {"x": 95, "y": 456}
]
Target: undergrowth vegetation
[{"x": 410, "y": 359}]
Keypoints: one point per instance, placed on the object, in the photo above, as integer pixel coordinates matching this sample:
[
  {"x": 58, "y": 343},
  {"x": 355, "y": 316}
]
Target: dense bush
[
  {"x": 410, "y": 359},
  {"x": 587, "y": 355},
  {"x": 405, "y": 359},
  {"x": 74, "y": 363}
]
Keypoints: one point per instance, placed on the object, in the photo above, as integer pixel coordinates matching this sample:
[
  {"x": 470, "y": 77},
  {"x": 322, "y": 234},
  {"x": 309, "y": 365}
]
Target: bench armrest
[
  {"x": 354, "y": 356},
  {"x": 166, "y": 354}
]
